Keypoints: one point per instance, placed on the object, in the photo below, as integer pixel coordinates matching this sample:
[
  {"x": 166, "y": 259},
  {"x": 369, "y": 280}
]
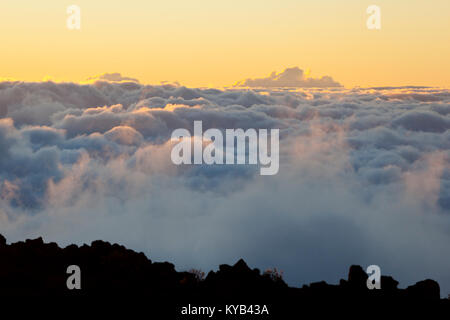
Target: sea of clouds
[{"x": 364, "y": 175}]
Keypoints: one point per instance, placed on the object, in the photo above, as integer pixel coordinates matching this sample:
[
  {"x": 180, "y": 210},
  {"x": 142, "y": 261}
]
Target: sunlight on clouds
[{"x": 81, "y": 162}]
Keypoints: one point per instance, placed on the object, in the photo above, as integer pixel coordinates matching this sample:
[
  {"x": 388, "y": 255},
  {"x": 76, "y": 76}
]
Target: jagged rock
[
  {"x": 357, "y": 277},
  {"x": 388, "y": 283},
  {"x": 426, "y": 289},
  {"x": 33, "y": 267}
]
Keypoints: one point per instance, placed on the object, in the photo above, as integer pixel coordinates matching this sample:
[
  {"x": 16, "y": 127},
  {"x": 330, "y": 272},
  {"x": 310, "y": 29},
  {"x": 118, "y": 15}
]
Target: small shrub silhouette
[
  {"x": 274, "y": 274},
  {"x": 199, "y": 275}
]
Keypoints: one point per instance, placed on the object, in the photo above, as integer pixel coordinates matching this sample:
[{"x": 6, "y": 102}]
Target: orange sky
[{"x": 216, "y": 43}]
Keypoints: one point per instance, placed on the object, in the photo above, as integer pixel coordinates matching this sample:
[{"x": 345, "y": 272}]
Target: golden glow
[{"x": 216, "y": 43}]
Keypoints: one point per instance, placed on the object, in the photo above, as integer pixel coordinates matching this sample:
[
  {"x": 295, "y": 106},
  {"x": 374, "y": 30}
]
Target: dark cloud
[{"x": 423, "y": 121}]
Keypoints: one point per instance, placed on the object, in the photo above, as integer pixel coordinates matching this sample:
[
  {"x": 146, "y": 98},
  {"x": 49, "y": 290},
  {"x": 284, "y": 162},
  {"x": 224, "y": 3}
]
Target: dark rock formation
[{"x": 35, "y": 268}]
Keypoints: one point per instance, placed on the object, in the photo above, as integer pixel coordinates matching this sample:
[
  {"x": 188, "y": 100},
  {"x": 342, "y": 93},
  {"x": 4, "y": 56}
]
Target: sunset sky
[
  {"x": 364, "y": 163},
  {"x": 216, "y": 43}
]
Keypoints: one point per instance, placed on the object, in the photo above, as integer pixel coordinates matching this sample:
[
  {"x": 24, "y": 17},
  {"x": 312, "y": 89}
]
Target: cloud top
[
  {"x": 112, "y": 77},
  {"x": 289, "y": 78},
  {"x": 364, "y": 175}
]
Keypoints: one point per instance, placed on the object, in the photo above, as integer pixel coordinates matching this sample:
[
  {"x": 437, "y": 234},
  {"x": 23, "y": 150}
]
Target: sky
[
  {"x": 216, "y": 43},
  {"x": 364, "y": 120}
]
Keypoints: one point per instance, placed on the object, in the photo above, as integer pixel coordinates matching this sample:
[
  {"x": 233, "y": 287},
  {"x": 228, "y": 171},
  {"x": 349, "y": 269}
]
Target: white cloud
[
  {"x": 291, "y": 77},
  {"x": 364, "y": 176},
  {"x": 112, "y": 77}
]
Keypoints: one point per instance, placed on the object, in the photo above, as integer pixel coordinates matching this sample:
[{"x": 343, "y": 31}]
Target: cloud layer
[
  {"x": 364, "y": 176},
  {"x": 291, "y": 77}
]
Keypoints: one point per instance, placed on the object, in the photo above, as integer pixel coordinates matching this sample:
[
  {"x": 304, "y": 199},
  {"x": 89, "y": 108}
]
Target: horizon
[{"x": 89, "y": 80}]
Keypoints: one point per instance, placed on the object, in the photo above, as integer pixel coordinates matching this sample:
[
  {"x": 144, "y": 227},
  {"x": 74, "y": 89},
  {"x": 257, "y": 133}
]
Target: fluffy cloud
[
  {"x": 364, "y": 176},
  {"x": 291, "y": 77},
  {"x": 112, "y": 77}
]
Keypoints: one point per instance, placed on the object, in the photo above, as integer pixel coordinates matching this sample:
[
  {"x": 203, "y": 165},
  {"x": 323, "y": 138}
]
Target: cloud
[
  {"x": 423, "y": 121},
  {"x": 291, "y": 77},
  {"x": 112, "y": 77},
  {"x": 364, "y": 176}
]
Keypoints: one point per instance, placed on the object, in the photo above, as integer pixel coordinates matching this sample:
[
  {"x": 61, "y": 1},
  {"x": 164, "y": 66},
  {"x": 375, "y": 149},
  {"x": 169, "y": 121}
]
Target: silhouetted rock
[
  {"x": 426, "y": 289},
  {"x": 388, "y": 283},
  {"x": 357, "y": 277},
  {"x": 35, "y": 268}
]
